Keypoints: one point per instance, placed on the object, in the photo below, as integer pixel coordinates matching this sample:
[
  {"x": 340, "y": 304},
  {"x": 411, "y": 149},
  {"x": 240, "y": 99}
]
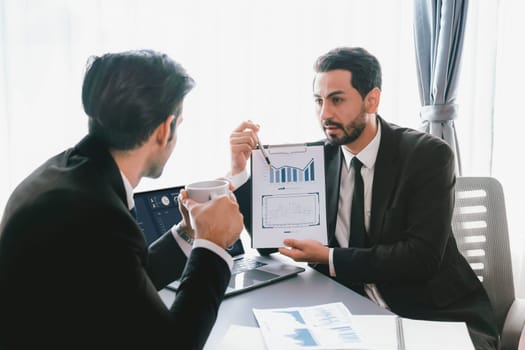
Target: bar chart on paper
[
  {"x": 327, "y": 326},
  {"x": 291, "y": 174}
]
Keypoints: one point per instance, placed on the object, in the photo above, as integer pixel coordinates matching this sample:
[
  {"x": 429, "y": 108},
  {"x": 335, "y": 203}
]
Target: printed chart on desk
[{"x": 288, "y": 195}]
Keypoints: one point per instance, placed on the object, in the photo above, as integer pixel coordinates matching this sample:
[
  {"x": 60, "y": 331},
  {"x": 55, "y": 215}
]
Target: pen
[{"x": 265, "y": 155}]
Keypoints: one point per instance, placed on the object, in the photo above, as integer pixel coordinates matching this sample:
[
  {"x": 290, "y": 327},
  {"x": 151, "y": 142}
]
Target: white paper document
[
  {"x": 288, "y": 195},
  {"x": 436, "y": 335},
  {"x": 378, "y": 332},
  {"x": 327, "y": 326},
  {"x": 332, "y": 326}
]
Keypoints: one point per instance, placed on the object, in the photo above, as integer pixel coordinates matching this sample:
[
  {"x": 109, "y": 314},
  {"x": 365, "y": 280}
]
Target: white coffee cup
[{"x": 203, "y": 191}]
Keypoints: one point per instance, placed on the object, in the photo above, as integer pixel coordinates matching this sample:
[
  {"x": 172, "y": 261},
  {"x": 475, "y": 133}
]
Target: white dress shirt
[
  {"x": 185, "y": 246},
  {"x": 367, "y": 156}
]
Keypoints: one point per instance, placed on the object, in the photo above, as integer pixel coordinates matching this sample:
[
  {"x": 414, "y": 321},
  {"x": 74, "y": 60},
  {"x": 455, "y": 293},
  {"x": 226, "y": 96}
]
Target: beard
[{"x": 351, "y": 131}]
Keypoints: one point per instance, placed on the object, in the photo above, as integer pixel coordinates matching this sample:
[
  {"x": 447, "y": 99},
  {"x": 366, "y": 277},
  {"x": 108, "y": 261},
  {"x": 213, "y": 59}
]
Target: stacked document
[{"x": 332, "y": 326}]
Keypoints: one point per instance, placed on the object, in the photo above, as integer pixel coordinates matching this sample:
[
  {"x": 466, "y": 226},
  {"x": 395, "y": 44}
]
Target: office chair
[{"x": 480, "y": 228}]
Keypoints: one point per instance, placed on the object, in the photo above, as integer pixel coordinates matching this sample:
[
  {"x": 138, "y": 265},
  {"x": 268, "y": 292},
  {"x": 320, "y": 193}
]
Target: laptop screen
[{"x": 158, "y": 211}]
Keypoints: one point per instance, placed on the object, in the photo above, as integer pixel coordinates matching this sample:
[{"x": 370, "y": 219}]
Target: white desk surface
[{"x": 306, "y": 289}]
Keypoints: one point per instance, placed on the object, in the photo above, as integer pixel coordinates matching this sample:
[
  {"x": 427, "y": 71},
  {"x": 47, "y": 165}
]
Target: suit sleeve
[
  {"x": 97, "y": 287},
  {"x": 189, "y": 320},
  {"x": 166, "y": 261},
  {"x": 203, "y": 283},
  {"x": 415, "y": 233}
]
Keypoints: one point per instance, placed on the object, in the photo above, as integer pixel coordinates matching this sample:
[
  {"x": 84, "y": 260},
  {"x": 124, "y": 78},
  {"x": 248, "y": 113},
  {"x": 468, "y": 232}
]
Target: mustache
[{"x": 327, "y": 123}]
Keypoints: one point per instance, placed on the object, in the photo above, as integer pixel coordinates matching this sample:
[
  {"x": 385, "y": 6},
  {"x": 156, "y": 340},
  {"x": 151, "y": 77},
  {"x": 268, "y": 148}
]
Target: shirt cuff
[
  {"x": 184, "y": 246},
  {"x": 331, "y": 262},
  {"x": 238, "y": 179},
  {"x": 203, "y": 243}
]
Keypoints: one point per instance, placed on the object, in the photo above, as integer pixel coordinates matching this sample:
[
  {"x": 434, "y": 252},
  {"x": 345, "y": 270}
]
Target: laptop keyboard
[{"x": 244, "y": 264}]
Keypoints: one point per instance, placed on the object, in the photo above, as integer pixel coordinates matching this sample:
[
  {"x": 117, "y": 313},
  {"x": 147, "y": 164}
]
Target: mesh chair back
[{"x": 480, "y": 228}]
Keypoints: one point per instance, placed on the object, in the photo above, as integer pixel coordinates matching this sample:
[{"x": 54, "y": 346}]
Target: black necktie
[{"x": 358, "y": 237}]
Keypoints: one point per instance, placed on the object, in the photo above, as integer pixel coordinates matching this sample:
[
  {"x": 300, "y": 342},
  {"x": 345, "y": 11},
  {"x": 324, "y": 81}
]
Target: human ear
[
  {"x": 163, "y": 131},
  {"x": 372, "y": 100}
]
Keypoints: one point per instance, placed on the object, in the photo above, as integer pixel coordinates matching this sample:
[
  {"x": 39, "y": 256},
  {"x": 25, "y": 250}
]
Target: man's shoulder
[
  {"x": 417, "y": 149},
  {"x": 62, "y": 182},
  {"x": 410, "y": 138}
]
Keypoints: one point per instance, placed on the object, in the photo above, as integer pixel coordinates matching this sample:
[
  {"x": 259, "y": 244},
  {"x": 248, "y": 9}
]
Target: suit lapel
[
  {"x": 385, "y": 177},
  {"x": 332, "y": 174}
]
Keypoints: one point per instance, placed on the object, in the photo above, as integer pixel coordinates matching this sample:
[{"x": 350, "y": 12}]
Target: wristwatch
[{"x": 183, "y": 234}]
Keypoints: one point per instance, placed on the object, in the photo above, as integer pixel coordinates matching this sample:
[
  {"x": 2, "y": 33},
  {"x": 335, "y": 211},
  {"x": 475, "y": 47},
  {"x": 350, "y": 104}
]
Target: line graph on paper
[
  {"x": 292, "y": 174},
  {"x": 290, "y": 210}
]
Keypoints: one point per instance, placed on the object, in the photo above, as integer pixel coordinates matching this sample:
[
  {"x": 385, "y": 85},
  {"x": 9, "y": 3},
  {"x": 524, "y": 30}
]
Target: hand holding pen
[
  {"x": 243, "y": 140},
  {"x": 263, "y": 151}
]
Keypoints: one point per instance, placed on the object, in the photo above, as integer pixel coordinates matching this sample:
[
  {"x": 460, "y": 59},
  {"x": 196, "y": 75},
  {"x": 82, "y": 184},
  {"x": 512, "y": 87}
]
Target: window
[{"x": 251, "y": 60}]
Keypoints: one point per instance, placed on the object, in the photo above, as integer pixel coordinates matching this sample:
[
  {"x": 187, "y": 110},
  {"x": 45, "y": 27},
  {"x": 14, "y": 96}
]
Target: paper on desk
[
  {"x": 327, "y": 326},
  {"x": 434, "y": 335},
  {"x": 332, "y": 326},
  {"x": 241, "y": 337},
  {"x": 379, "y": 332}
]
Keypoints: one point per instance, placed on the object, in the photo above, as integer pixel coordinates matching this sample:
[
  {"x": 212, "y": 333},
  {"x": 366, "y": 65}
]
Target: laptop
[{"x": 158, "y": 211}]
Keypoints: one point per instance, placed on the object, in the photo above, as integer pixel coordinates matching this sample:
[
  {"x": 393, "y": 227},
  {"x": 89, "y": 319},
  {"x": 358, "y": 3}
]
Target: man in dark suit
[
  {"x": 75, "y": 271},
  {"x": 397, "y": 247}
]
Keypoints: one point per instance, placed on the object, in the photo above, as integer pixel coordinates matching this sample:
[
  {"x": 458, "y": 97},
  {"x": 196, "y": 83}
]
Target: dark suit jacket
[
  {"x": 75, "y": 271},
  {"x": 413, "y": 258}
]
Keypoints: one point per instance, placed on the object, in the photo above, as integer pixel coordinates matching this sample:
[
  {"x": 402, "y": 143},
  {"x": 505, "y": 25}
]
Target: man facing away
[
  {"x": 394, "y": 244},
  {"x": 75, "y": 271}
]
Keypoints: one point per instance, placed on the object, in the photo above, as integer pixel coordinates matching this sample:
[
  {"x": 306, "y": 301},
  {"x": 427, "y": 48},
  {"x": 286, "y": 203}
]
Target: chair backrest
[{"x": 480, "y": 228}]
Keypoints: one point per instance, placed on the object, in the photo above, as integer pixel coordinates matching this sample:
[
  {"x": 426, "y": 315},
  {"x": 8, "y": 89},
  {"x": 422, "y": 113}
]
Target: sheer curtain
[
  {"x": 251, "y": 60},
  {"x": 4, "y": 175},
  {"x": 509, "y": 124},
  {"x": 490, "y": 129}
]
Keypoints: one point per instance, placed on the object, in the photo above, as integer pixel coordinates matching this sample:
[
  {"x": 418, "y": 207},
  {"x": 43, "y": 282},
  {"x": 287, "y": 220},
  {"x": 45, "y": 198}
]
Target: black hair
[
  {"x": 127, "y": 95},
  {"x": 365, "y": 68}
]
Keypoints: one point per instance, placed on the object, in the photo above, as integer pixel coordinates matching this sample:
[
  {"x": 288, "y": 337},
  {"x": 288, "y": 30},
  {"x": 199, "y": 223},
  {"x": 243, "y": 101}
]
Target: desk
[{"x": 306, "y": 289}]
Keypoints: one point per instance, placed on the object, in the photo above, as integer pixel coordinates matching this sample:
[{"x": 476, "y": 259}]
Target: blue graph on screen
[{"x": 286, "y": 174}]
